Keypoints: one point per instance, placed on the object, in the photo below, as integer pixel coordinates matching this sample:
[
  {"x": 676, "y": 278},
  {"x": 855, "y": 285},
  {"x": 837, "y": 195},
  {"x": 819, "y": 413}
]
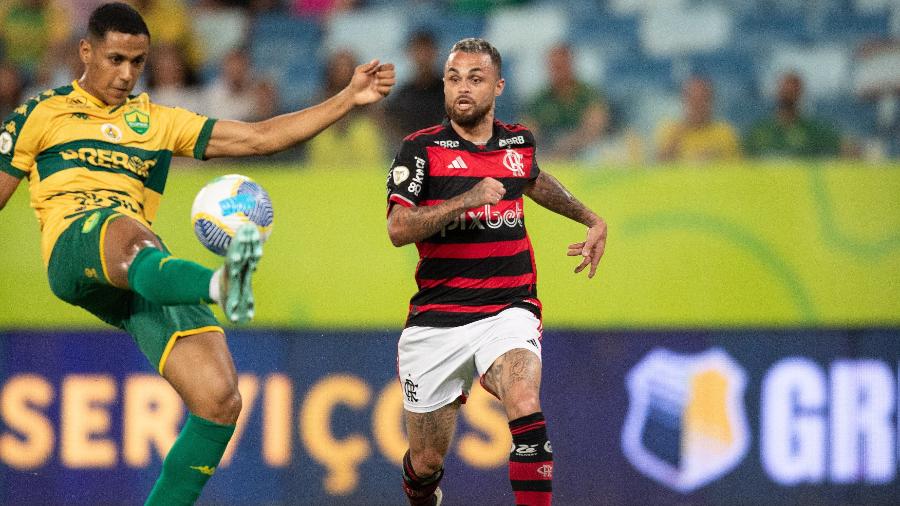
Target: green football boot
[{"x": 241, "y": 258}]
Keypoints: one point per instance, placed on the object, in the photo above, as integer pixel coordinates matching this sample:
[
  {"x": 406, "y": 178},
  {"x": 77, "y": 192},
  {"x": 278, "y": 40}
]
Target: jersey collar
[
  {"x": 492, "y": 143},
  {"x": 92, "y": 99}
]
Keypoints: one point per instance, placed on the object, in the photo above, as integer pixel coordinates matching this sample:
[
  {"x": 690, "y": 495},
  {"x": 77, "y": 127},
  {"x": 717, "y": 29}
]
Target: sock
[
  {"x": 420, "y": 491},
  {"x": 190, "y": 463},
  {"x": 167, "y": 280},
  {"x": 531, "y": 461}
]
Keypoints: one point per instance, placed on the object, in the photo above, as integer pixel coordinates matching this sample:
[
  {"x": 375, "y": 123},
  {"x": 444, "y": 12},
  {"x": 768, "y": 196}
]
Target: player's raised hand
[
  {"x": 487, "y": 191},
  {"x": 371, "y": 82},
  {"x": 591, "y": 249}
]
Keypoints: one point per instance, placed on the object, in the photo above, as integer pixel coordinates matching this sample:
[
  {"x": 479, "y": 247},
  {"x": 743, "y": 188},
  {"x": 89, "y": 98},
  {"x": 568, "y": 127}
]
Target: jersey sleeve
[
  {"x": 407, "y": 180},
  {"x": 535, "y": 170},
  {"x": 19, "y": 141},
  {"x": 189, "y": 132}
]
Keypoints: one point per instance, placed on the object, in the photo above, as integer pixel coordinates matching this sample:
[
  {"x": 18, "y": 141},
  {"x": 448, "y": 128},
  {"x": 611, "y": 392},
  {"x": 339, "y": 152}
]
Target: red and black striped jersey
[{"x": 482, "y": 262}]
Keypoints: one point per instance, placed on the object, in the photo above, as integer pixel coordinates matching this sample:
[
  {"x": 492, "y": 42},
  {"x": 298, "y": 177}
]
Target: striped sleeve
[{"x": 406, "y": 183}]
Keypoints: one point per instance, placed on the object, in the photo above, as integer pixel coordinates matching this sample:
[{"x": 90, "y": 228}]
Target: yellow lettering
[
  {"x": 276, "y": 442},
  {"x": 20, "y": 401},
  {"x": 152, "y": 415},
  {"x": 69, "y": 154},
  {"x": 484, "y": 412},
  {"x": 248, "y": 386},
  {"x": 104, "y": 158},
  {"x": 84, "y": 416},
  {"x": 387, "y": 423},
  {"x": 89, "y": 155},
  {"x": 341, "y": 457},
  {"x": 120, "y": 159}
]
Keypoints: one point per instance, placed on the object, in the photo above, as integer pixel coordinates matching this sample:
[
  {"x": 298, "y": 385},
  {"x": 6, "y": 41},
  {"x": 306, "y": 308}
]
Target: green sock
[
  {"x": 166, "y": 280},
  {"x": 190, "y": 463}
]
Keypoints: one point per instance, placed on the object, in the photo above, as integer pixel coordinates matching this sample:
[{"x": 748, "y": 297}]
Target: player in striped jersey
[
  {"x": 456, "y": 190},
  {"x": 96, "y": 158}
]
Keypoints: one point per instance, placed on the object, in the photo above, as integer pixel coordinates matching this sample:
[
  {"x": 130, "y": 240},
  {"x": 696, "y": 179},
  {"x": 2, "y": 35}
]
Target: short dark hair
[
  {"x": 116, "y": 17},
  {"x": 479, "y": 46}
]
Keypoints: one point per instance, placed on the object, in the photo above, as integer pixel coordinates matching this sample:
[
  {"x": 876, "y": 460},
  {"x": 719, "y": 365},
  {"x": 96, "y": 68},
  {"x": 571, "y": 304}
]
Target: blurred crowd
[{"x": 205, "y": 59}]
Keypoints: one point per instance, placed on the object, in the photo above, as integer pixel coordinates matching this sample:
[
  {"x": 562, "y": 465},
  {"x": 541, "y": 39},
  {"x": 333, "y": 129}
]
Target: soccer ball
[{"x": 226, "y": 203}]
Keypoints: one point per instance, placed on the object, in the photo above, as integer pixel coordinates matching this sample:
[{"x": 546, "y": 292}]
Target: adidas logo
[{"x": 458, "y": 163}]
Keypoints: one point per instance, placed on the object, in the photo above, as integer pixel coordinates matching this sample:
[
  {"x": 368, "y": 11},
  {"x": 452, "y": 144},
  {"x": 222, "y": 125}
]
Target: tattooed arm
[
  {"x": 547, "y": 191},
  {"x": 412, "y": 224}
]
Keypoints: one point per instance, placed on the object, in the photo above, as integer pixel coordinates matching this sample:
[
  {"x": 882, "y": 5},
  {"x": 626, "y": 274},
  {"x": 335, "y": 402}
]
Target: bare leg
[
  {"x": 423, "y": 465},
  {"x": 125, "y": 237},
  {"x": 201, "y": 370},
  {"x": 429, "y": 437},
  {"x": 515, "y": 378}
]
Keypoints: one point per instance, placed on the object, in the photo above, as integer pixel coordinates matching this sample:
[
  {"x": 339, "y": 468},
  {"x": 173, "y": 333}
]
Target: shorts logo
[
  {"x": 546, "y": 471},
  {"x": 138, "y": 121},
  {"x": 409, "y": 390},
  {"x": 513, "y": 161},
  {"x": 111, "y": 132},
  {"x": 6, "y": 143},
  {"x": 400, "y": 174},
  {"x": 686, "y": 425}
]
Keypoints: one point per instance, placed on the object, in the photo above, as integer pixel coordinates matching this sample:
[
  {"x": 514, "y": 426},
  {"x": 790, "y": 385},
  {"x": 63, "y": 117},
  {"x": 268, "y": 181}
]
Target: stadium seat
[
  {"x": 683, "y": 31},
  {"x": 515, "y": 30},
  {"x": 852, "y": 117},
  {"x": 286, "y": 50},
  {"x": 375, "y": 32}
]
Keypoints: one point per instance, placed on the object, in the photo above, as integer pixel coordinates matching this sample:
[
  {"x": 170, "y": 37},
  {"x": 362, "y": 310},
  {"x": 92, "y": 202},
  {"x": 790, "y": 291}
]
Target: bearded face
[{"x": 471, "y": 86}]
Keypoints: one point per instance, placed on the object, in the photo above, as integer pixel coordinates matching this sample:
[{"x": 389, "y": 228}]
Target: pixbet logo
[{"x": 486, "y": 217}]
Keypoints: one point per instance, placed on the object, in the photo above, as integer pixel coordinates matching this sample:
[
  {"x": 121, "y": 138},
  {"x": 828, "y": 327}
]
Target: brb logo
[
  {"x": 686, "y": 425},
  {"x": 486, "y": 217}
]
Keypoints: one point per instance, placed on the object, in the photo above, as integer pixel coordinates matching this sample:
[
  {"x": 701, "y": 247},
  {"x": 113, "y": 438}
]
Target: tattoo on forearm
[
  {"x": 551, "y": 194},
  {"x": 423, "y": 222}
]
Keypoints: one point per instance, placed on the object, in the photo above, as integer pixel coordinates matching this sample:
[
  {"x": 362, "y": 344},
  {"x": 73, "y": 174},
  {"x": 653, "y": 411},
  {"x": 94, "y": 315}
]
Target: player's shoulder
[
  {"x": 427, "y": 135},
  {"x": 47, "y": 99},
  {"x": 33, "y": 111}
]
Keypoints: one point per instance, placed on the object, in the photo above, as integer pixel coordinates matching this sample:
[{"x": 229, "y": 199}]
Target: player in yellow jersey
[{"x": 96, "y": 159}]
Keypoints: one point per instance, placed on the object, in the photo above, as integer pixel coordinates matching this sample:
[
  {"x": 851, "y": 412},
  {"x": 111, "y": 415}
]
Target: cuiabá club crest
[{"x": 686, "y": 424}]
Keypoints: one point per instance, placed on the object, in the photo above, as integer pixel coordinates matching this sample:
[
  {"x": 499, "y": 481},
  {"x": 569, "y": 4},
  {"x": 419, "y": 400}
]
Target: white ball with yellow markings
[{"x": 226, "y": 203}]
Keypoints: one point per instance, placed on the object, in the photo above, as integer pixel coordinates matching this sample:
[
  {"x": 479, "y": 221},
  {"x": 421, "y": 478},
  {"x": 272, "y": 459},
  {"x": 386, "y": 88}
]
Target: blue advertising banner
[{"x": 637, "y": 417}]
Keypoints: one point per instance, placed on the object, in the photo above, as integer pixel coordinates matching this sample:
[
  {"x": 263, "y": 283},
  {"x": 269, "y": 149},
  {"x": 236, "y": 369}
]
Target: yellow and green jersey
[{"x": 80, "y": 154}]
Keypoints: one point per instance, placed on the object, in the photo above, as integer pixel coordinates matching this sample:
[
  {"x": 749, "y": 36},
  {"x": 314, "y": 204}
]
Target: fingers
[
  {"x": 368, "y": 68},
  {"x": 584, "y": 263},
  {"x": 594, "y": 264}
]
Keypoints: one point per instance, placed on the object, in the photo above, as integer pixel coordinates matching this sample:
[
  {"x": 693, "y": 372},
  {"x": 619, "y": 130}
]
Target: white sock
[{"x": 214, "y": 292}]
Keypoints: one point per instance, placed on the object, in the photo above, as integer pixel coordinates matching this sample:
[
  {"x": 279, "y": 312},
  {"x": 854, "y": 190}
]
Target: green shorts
[{"x": 78, "y": 276}]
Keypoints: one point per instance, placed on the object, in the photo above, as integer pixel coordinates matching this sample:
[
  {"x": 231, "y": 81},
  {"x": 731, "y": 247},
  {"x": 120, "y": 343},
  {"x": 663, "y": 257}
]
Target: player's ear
[
  {"x": 85, "y": 50},
  {"x": 498, "y": 90}
]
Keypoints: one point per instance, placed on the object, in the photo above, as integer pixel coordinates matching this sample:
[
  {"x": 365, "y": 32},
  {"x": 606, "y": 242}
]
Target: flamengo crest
[{"x": 513, "y": 161}]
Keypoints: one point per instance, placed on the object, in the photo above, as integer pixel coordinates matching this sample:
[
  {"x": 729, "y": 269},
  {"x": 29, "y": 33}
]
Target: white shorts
[{"x": 437, "y": 364}]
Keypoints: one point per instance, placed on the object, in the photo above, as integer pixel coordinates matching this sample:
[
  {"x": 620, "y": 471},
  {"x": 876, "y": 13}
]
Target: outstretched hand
[
  {"x": 591, "y": 249},
  {"x": 371, "y": 82}
]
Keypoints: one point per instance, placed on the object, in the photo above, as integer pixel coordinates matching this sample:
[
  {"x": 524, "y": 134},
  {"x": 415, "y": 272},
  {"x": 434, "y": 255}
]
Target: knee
[
  {"x": 426, "y": 462},
  {"x": 223, "y": 406},
  {"x": 523, "y": 405}
]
